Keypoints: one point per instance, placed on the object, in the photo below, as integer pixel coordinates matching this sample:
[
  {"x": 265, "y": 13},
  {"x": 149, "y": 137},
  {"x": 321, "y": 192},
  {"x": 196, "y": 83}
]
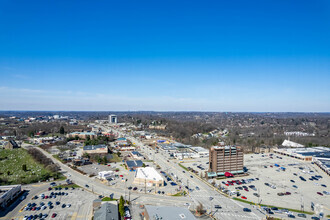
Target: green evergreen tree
[{"x": 62, "y": 130}]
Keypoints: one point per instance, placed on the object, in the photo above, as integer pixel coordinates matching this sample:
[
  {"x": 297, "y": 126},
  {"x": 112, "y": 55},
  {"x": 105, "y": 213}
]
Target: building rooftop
[
  {"x": 168, "y": 213},
  {"x": 321, "y": 152},
  {"x": 148, "y": 173},
  {"x": 224, "y": 147},
  {"x": 107, "y": 211},
  {"x": 82, "y": 133},
  {"x": 95, "y": 147},
  {"x": 136, "y": 153},
  {"x": 134, "y": 163},
  {"x": 5, "y": 189},
  {"x": 199, "y": 149}
]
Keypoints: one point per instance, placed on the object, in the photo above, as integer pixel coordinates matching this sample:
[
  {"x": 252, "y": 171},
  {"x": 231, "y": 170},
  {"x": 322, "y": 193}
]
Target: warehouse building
[
  {"x": 148, "y": 176},
  {"x": 225, "y": 159},
  {"x": 8, "y": 194}
]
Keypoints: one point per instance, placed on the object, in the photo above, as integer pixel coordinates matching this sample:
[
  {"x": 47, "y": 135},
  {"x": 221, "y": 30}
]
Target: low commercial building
[
  {"x": 185, "y": 155},
  {"x": 105, "y": 210},
  {"x": 148, "y": 176},
  {"x": 305, "y": 154},
  {"x": 167, "y": 213},
  {"x": 136, "y": 155},
  {"x": 287, "y": 143},
  {"x": 96, "y": 149},
  {"x": 104, "y": 175},
  {"x": 323, "y": 163},
  {"x": 82, "y": 135},
  {"x": 133, "y": 164},
  {"x": 8, "y": 194},
  {"x": 201, "y": 152},
  {"x": 224, "y": 159}
]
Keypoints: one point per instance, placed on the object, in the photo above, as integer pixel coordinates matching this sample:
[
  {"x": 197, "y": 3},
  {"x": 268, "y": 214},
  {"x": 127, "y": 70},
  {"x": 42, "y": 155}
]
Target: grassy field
[
  {"x": 67, "y": 185},
  {"x": 11, "y": 168},
  {"x": 108, "y": 199},
  {"x": 115, "y": 158}
]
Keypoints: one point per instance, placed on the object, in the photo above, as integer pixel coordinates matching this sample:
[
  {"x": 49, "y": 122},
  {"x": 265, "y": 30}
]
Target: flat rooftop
[
  {"x": 169, "y": 213},
  {"x": 148, "y": 173},
  {"x": 94, "y": 147}
]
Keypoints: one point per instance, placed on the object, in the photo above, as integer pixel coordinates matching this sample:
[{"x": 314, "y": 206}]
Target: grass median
[{"x": 271, "y": 206}]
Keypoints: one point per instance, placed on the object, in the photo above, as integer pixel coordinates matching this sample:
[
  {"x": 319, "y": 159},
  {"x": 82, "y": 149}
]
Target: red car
[
  {"x": 320, "y": 193},
  {"x": 227, "y": 184},
  {"x": 243, "y": 197},
  {"x": 109, "y": 165},
  {"x": 246, "y": 189},
  {"x": 121, "y": 175},
  {"x": 53, "y": 215},
  {"x": 34, "y": 208}
]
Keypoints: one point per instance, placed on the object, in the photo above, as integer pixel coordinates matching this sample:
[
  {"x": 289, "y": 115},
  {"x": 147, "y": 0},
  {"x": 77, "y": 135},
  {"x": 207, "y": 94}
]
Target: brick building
[{"x": 225, "y": 159}]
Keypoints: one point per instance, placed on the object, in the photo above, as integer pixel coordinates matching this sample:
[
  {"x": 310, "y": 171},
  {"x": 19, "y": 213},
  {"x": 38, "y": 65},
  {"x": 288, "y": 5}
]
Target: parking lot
[
  {"x": 70, "y": 203},
  {"x": 277, "y": 180}
]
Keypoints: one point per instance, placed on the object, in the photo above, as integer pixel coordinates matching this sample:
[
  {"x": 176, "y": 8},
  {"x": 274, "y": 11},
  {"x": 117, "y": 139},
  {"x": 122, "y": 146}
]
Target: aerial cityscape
[{"x": 164, "y": 110}]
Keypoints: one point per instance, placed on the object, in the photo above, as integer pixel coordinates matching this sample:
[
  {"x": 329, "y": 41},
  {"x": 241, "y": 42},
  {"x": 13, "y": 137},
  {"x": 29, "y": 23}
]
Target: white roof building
[
  {"x": 105, "y": 174},
  {"x": 148, "y": 173},
  {"x": 287, "y": 143},
  {"x": 149, "y": 176}
]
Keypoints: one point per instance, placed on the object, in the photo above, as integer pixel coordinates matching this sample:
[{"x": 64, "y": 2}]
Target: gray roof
[
  {"x": 134, "y": 163},
  {"x": 94, "y": 147},
  {"x": 169, "y": 213},
  {"x": 108, "y": 211}
]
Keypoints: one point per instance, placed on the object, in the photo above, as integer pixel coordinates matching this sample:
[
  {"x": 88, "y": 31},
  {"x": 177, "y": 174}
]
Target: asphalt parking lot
[
  {"x": 274, "y": 181},
  {"x": 302, "y": 192},
  {"x": 74, "y": 204}
]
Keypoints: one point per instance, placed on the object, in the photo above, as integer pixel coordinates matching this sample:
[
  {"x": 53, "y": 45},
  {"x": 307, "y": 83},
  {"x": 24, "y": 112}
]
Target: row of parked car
[{"x": 239, "y": 182}]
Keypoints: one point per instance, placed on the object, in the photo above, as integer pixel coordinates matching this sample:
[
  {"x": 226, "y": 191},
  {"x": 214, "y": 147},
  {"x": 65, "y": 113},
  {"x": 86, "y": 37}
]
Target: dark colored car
[
  {"x": 246, "y": 210},
  {"x": 320, "y": 193},
  {"x": 301, "y": 215}
]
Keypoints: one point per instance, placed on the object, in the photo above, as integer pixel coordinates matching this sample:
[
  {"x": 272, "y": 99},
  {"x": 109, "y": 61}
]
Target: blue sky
[{"x": 165, "y": 55}]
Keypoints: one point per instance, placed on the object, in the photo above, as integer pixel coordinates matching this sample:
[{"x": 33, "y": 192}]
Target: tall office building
[
  {"x": 225, "y": 159},
  {"x": 113, "y": 119}
]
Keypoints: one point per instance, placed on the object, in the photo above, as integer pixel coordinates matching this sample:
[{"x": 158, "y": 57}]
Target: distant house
[
  {"x": 105, "y": 210},
  {"x": 133, "y": 164},
  {"x": 11, "y": 144}
]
